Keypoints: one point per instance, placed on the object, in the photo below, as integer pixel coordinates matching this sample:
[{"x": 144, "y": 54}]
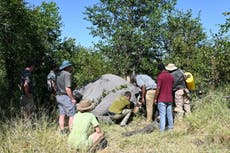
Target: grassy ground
[{"x": 206, "y": 130}]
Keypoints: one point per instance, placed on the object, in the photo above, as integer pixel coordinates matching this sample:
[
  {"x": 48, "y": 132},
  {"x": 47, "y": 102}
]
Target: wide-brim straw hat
[
  {"x": 65, "y": 64},
  {"x": 85, "y": 104},
  {"x": 171, "y": 67}
]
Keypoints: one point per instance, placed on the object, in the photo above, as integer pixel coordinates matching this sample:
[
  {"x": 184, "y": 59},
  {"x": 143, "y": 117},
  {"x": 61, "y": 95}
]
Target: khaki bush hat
[
  {"x": 84, "y": 104},
  {"x": 171, "y": 67}
]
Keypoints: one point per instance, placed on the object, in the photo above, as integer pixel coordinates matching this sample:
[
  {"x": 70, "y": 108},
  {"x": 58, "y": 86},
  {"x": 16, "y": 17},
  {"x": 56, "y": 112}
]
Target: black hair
[
  {"x": 127, "y": 94},
  {"x": 161, "y": 67},
  {"x": 30, "y": 63}
]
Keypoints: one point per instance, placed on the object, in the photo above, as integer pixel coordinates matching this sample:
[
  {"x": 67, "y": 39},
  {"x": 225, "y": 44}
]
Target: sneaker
[{"x": 123, "y": 125}]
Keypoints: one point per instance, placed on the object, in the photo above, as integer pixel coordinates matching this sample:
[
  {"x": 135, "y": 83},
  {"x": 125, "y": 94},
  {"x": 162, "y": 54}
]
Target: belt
[
  {"x": 111, "y": 113},
  {"x": 60, "y": 94},
  {"x": 151, "y": 89}
]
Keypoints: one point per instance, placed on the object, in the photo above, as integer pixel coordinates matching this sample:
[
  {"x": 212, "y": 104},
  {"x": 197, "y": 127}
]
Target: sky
[{"x": 74, "y": 26}]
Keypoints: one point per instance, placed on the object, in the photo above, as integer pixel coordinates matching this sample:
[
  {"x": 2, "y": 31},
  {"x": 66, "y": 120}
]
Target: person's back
[
  {"x": 119, "y": 104},
  {"x": 64, "y": 96},
  {"x": 147, "y": 89},
  {"x": 179, "y": 80},
  {"x": 143, "y": 79},
  {"x": 164, "y": 97},
  {"x": 181, "y": 93},
  {"x": 165, "y": 81},
  {"x": 79, "y": 137},
  {"x": 81, "y": 125},
  {"x": 62, "y": 81},
  {"x": 120, "y": 109}
]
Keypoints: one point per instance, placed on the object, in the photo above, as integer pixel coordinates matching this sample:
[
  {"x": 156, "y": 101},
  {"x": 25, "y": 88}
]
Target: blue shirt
[{"x": 143, "y": 79}]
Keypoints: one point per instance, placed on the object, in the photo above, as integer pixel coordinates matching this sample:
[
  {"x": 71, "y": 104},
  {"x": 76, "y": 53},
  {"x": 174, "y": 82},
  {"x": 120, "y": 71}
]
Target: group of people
[
  {"x": 169, "y": 96},
  {"x": 79, "y": 117},
  {"x": 160, "y": 96}
]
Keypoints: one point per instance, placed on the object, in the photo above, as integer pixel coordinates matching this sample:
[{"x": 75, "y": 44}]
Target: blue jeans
[{"x": 165, "y": 109}]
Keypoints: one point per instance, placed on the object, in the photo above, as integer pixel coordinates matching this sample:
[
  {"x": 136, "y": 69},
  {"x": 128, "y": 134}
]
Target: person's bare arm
[
  {"x": 98, "y": 129},
  {"x": 156, "y": 95},
  {"x": 143, "y": 93},
  {"x": 70, "y": 94}
]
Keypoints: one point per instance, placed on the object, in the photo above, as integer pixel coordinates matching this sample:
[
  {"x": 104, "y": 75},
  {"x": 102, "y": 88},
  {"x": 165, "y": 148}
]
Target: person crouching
[{"x": 84, "y": 120}]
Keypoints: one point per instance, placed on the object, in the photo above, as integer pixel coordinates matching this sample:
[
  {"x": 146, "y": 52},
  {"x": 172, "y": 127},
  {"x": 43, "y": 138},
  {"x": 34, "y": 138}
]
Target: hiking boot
[
  {"x": 102, "y": 144},
  {"x": 64, "y": 132}
]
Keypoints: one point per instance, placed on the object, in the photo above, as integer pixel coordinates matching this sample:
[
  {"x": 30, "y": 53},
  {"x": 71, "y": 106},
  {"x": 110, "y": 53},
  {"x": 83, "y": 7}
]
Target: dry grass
[{"x": 206, "y": 130}]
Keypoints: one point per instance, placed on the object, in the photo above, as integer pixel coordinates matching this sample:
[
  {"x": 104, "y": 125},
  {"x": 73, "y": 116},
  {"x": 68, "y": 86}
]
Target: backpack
[
  {"x": 51, "y": 82},
  {"x": 190, "y": 83}
]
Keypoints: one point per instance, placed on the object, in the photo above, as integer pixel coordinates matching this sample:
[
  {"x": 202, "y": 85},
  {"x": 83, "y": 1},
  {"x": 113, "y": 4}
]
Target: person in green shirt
[
  {"x": 84, "y": 120},
  {"x": 120, "y": 109}
]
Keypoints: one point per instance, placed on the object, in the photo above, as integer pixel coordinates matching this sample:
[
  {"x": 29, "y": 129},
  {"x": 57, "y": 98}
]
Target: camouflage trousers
[{"x": 182, "y": 102}]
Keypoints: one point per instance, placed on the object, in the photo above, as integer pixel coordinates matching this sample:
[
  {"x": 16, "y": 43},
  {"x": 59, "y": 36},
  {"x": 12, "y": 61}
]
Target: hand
[
  {"x": 143, "y": 101},
  {"x": 138, "y": 104},
  {"x": 73, "y": 101},
  {"x": 154, "y": 101}
]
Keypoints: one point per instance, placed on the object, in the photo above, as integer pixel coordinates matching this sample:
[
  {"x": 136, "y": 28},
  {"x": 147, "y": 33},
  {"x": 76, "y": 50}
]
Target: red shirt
[{"x": 165, "y": 85}]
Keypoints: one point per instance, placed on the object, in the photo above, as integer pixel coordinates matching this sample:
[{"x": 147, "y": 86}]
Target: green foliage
[
  {"x": 129, "y": 30},
  {"x": 206, "y": 130},
  {"x": 212, "y": 113},
  {"x": 89, "y": 66},
  {"x": 185, "y": 36},
  {"x": 26, "y": 34}
]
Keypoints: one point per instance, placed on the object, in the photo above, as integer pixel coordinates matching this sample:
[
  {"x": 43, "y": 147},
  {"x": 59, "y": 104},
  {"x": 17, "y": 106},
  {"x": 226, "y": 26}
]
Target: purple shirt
[{"x": 165, "y": 85}]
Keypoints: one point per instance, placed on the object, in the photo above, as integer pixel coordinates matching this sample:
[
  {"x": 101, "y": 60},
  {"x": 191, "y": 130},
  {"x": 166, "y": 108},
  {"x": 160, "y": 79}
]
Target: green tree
[
  {"x": 130, "y": 31},
  {"x": 88, "y": 64},
  {"x": 184, "y": 37},
  {"x": 221, "y": 54},
  {"x": 26, "y": 33}
]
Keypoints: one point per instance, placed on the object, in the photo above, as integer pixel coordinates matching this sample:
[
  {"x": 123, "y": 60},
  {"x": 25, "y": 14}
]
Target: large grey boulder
[{"x": 105, "y": 89}]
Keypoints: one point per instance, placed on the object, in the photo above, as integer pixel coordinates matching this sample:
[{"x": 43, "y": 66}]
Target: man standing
[
  {"x": 147, "y": 87},
  {"x": 64, "y": 97},
  {"x": 181, "y": 92},
  {"x": 25, "y": 86},
  {"x": 52, "y": 87},
  {"x": 120, "y": 108},
  {"x": 164, "y": 97}
]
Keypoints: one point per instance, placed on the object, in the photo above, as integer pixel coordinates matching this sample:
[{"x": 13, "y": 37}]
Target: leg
[
  {"x": 187, "y": 107},
  {"x": 62, "y": 122},
  {"x": 170, "y": 116},
  {"x": 126, "y": 113},
  {"x": 162, "y": 111},
  {"x": 70, "y": 122},
  {"x": 179, "y": 101},
  {"x": 115, "y": 118},
  {"x": 149, "y": 105},
  {"x": 70, "y": 111}
]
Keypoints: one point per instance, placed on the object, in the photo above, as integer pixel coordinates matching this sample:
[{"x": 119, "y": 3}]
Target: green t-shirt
[
  {"x": 119, "y": 104},
  {"x": 82, "y": 123}
]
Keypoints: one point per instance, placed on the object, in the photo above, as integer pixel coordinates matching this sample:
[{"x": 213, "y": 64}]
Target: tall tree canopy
[
  {"x": 184, "y": 38},
  {"x": 130, "y": 30},
  {"x": 26, "y": 33}
]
